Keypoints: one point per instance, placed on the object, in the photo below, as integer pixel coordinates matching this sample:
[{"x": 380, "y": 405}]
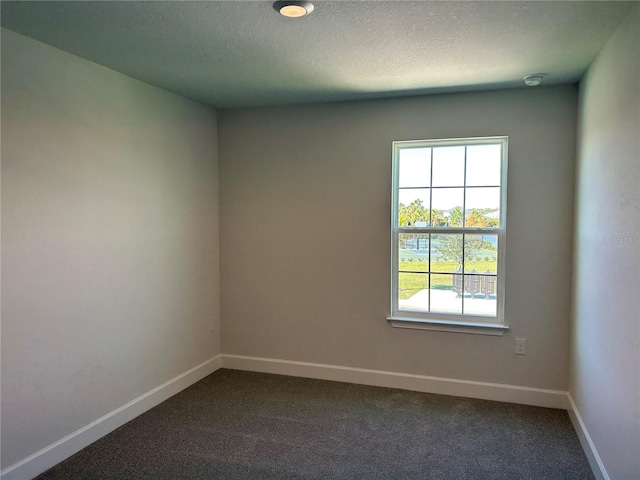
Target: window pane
[
  {"x": 446, "y": 293},
  {"x": 415, "y": 167},
  {"x": 413, "y": 252},
  {"x": 482, "y": 207},
  {"x": 413, "y": 291},
  {"x": 447, "y": 253},
  {"x": 481, "y": 253},
  {"x": 413, "y": 207},
  {"x": 447, "y": 207},
  {"x": 480, "y": 295},
  {"x": 448, "y": 167},
  {"x": 483, "y": 165}
]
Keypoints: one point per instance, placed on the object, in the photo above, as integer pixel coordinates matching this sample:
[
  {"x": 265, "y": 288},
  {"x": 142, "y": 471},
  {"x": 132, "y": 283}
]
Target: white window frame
[{"x": 487, "y": 325}]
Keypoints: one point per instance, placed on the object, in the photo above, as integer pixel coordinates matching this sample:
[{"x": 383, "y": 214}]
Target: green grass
[
  {"x": 412, "y": 284},
  {"x": 406, "y": 255}
]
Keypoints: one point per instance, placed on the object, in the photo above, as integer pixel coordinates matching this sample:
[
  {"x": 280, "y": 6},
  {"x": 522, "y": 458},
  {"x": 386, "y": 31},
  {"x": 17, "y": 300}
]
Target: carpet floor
[{"x": 245, "y": 425}]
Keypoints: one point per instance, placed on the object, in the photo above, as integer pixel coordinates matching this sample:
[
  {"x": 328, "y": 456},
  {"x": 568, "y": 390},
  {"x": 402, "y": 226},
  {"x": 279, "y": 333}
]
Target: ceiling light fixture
[
  {"x": 293, "y": 9},
  {"x": 533, "y": 80}
]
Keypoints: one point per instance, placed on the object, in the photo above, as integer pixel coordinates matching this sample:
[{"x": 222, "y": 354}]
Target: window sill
[{"x": 475, "y": 328}]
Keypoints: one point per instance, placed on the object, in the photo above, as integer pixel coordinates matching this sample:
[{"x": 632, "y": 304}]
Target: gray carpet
[{"x": 244, "y": 425}]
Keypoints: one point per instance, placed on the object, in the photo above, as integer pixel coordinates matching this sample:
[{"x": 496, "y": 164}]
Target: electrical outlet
[
  {"x": 213, "y": 324},
  {"x": 521, "y": 346}
]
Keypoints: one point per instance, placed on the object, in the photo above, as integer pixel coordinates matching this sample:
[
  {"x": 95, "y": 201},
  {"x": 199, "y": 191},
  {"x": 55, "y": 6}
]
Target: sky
[{"x": 447, "y": 176}]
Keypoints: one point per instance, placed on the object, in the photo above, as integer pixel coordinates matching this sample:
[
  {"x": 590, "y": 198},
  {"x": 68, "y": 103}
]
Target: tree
[
  {"x": 450, "y": 247},
  {"x": 439, "y": 220},
  {"x": 408, "y": 215},
  {"x": 475, "y": 218},
  {"x": 456, "y": 217}
]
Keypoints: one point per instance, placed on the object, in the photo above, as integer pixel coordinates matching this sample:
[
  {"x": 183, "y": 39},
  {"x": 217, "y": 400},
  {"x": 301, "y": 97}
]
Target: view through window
[{"x": 448, "y": 229}]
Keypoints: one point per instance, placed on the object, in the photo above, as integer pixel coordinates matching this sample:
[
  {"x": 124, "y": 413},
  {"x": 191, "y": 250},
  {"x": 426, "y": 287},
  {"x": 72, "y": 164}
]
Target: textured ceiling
[{"x": 242, "y": 53}]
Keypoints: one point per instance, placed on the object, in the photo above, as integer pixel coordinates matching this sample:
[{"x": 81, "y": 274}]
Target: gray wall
[
  {"x": 305, "y": 242},
  {"x": 605, "y": 379},
  {"x": 109, "y": 241}
]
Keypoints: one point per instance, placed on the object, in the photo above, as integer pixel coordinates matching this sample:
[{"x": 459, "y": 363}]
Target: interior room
[{"x": 209, "y": 191}]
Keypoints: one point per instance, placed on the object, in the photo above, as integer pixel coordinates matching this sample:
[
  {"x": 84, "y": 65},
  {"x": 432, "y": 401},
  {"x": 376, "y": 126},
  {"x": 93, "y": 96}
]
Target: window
[{"x": 448, "y": 234}]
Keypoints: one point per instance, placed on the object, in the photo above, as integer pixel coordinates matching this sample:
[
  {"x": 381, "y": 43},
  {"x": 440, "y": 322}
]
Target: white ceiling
[{"x": 242, "y": 53}]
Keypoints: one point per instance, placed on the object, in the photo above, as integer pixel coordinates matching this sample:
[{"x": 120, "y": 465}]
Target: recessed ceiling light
[
  {"x": 293, "y": 9},
  {"x": 533, "y": 80}
]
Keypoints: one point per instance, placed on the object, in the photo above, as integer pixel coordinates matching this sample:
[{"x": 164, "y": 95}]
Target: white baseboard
[
  {"x": 420, "y": 383},
  {"x": 65, "y": 447},
  {"x": 587, "y": 444}
]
